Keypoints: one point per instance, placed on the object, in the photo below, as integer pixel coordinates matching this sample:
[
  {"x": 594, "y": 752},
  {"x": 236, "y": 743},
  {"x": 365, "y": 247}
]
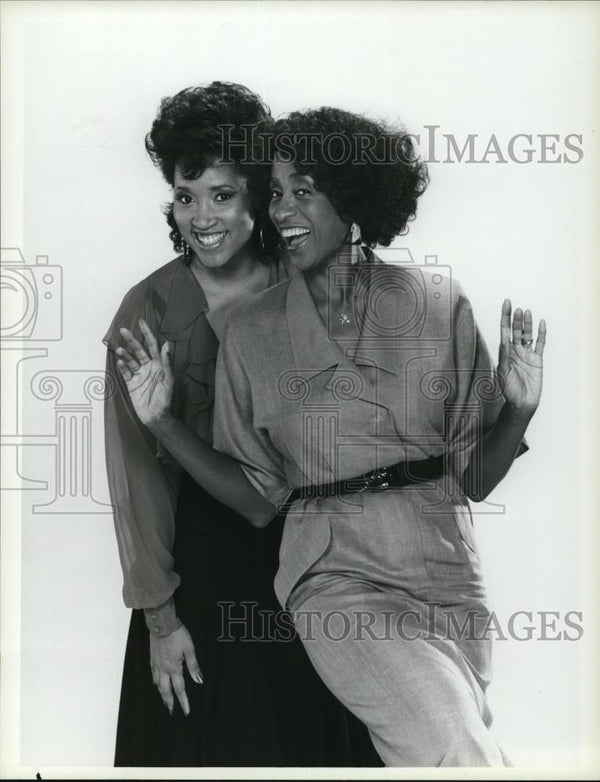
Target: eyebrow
[
  {"x": 213, "y": 188},
  {"x": 295, "y": 175}
]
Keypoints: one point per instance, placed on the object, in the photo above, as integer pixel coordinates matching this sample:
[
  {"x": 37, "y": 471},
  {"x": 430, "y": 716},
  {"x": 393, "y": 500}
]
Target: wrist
[
  {"x": 162, "y": 425},
  {"x": 162, "y": 620}
]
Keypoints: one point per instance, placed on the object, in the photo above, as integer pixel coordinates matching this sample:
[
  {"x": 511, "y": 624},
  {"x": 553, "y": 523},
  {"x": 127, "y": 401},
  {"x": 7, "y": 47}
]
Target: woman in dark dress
[{"x": 213, "y": 674}]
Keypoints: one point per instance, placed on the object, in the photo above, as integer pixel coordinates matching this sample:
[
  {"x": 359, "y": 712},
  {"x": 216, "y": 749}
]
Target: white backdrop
[{"x": 82, "y": 82}]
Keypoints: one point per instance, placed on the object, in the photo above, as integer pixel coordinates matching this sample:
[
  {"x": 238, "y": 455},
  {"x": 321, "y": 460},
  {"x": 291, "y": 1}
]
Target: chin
[
  {"x": 212, "y": 261},
  {"x": 302, "y": 263}
]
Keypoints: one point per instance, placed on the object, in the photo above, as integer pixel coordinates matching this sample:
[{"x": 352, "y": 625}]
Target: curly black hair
[
  {"x": 369, "y": 170},
  {"x": 200, "y": 125}
]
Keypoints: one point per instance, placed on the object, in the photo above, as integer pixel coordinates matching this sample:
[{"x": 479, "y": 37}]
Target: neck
[
  {"x": 317, "y": 278},
  {"x": 236, "y": 270}
]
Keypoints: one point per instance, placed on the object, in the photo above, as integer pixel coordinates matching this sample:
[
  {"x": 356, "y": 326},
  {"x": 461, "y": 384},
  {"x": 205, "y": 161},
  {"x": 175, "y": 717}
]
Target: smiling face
[
  {"x": 214, "y": 214},
  {"x": 311, "y": 229}
]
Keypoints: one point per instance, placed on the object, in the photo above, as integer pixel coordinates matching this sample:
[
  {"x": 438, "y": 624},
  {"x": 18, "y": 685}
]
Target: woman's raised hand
[
  {"x": 148, "y": 375},
  {"x": 520, "y": 361}
]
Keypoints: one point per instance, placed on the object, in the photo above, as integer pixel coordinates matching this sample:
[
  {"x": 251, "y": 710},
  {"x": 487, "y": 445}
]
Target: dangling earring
[
  {"x": 179, "y": 243},
  {"x": 355, "y": 242},
  {"x": 187, "y": 252}
]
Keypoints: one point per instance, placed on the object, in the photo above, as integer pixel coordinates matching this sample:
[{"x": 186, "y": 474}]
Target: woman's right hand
[
  {"x": 148, "y": 376},
  {"x": 167, "y": 656}
]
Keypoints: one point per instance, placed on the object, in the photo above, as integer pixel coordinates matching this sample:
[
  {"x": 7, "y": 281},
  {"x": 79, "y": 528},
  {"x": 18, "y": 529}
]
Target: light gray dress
[{"x": 386, "y": 586}]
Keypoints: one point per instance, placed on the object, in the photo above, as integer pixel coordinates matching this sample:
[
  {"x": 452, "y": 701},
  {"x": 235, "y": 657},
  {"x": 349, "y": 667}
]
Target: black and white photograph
[{"x": 299, "y": 389}]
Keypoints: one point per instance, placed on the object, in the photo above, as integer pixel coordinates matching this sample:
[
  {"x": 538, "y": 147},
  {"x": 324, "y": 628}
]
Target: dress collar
[
  {"x": 185, "y": 302},
  {"x": 186, "y": 299},
  {"x": 312, "y": 346}
]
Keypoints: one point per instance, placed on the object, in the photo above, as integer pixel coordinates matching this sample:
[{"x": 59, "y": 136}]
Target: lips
[
  {"x": 294, "y": 236},
  {"x": 209, "y": 241}
]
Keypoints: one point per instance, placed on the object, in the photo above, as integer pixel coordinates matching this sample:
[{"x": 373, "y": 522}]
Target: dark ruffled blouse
[{"x": 261, "y": 704}]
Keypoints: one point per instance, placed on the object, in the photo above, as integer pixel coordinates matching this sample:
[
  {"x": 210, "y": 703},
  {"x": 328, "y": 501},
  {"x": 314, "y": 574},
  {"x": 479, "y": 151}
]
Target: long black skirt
[{"x": 261, "y": 704}]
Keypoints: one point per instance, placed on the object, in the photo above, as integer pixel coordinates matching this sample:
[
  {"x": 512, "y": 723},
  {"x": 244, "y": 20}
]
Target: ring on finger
[{"x": 527, "y": 342}]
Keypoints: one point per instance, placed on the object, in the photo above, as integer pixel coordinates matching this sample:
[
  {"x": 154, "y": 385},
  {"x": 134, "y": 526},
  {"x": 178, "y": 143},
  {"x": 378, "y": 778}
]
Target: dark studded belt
[{"x": 396, "y": 476}]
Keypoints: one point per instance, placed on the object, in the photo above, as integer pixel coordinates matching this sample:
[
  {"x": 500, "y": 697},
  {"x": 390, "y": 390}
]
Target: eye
[
  {"x": 302, "y": 191},
  {"x": 184, "y": 199},
  {"x": 224, "y": 196},
  {"x": 275, "y": 193}
]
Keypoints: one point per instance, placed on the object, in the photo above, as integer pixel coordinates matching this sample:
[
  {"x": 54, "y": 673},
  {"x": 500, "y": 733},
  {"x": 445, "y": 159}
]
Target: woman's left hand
[{"x": 520, "y": 362}]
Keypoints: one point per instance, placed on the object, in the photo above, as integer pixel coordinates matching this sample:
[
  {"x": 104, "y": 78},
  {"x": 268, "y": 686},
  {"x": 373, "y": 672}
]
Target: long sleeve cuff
[{"x": 162, "y": 620}]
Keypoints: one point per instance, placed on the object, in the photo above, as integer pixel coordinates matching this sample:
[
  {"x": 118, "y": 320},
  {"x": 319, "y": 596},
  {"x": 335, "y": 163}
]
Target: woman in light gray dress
[{"x": 369, "y": 391}]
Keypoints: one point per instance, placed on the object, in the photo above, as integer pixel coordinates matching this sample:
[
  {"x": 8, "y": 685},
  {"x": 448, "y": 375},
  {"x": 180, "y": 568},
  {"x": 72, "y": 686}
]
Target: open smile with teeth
[
  {"x": 209, "y": 240},
  {"x": 294, "y": 237}
]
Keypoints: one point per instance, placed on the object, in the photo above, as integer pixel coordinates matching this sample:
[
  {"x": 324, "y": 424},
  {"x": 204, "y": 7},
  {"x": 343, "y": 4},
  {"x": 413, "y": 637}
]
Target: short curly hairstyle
[
  {"x": 203, "y": 124},
  {"x": 369, "y": 170}
]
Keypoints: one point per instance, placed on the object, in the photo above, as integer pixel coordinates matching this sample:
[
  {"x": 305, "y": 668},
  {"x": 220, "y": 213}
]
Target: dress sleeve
[
  {"x": 143, "y": 490},
  {"x": 477, "y": 399},
  {"x": 234, "y": 432}
]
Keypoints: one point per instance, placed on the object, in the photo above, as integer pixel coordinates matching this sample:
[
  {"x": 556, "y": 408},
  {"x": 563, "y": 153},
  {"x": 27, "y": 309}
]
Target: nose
[
  {"x": 283, "y": 210},
  {"x": 204, "y": 217}
]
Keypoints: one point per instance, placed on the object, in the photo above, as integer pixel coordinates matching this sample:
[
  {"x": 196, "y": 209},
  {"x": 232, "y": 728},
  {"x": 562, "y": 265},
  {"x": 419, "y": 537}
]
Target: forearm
[
  {"x": 144, "y": 496},
  {"x": 217, "y": 473},
  {"x": 495, "y": 453}
]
